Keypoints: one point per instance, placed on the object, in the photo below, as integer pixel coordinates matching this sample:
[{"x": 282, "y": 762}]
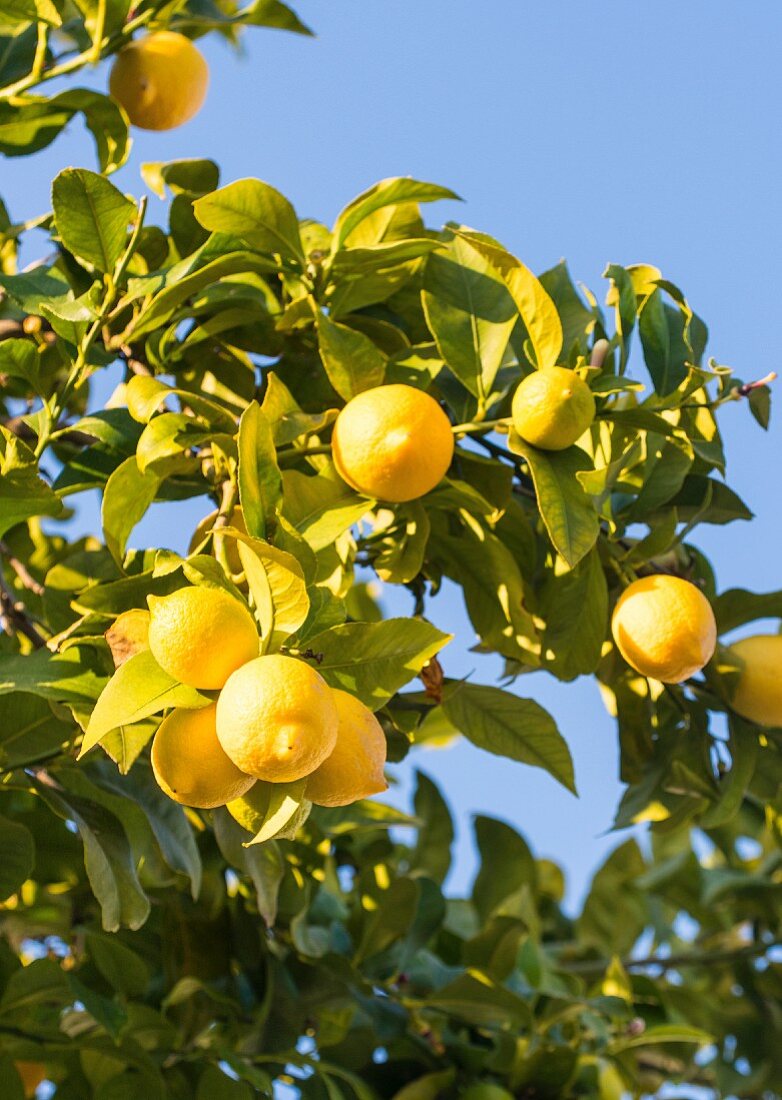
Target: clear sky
[{"x": 602, "y": 132}]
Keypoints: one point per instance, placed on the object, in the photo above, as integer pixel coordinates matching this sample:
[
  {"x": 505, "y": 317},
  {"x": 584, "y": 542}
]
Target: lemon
[
  {"x": 189, "y": 762},
  {"x": 160, "y": 80},
  {"x": 758, "y": 692},
  {"x": 231, "y": 552},
  {"x": 393, "y": 443},
  {"x": 552, "y": 408},
  {"x": 355, "y": 767},
  {"x": 128, "y": 635},
  {"x": 277, "y": 719},
  {"x": 31, "y": 1074},
  {"x": 200, "y": 635},
  {"x": 664, "y": 628}
]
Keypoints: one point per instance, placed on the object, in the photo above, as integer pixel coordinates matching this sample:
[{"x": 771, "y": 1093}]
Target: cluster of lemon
[{"x": 275, "y": 718}]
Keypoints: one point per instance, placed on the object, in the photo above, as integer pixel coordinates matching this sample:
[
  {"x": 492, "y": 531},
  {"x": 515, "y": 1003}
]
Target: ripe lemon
[
  {"x": 31, "y": 1074},
  {"x": 758, "y": 692},
  {"x": 128, "y": 635},
  {"x": 231, "y": 552},
  {"x": 189, "y": 762},
  {"x": 277, "y": 719},
  {"x": 552, "y": 408},
  {"x": 201, "y": 635},
  {"x": 664, "y": 628},
  {"x": 393, "y": 443},
  {"x": 355, "y": 767},
  {"x": 160, "y": 80}
]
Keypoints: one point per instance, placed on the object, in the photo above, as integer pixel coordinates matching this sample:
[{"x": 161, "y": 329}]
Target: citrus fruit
[
  {"x": 128, "y": 635},
  {"x": 160, "y": 80},
  {"x": 189, "y": 762},
  {"x": 355, "y": 767},
  {"x": 758, "y": 692},
  {"x": 277, "y": 719},
  {"x": 552, "y": 408},
  {"x": 393, "y": 443},
  {"x": 199, "y": 635},
  {"x": 31, "y": 1074},
  {"x": 231, "y": 551},
  {"x": 664, "y": 628}
]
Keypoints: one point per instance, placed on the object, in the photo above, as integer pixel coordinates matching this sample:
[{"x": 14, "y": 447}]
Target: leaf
[
  {"x": 663, "y": 352},
  {"x": 432, "y": 853},
  {"x": 570, "y": 515},
  {"x": 576, "y": 619},
  {"x": 278, "y": 588},
  {"x": 476, "y": 999},
  {"x": 663, "y": 1033},
  {"x": 108, "y": 858},
  {"x": 255, "y": 212},
  {"x": 65, "y": 677},
  {"x": 321, "y": 508},
  {"x": 126, "y": 498},
  {"x": 263, "y": 863},
  {"x": 504, "y": 724},
  {"x": 168, "y": 822},
  {"x": 388, "y": 192},
  {"x": 351, "y": 360},
  {"x": 469, "y": 312},
  {"x": 737, "y": 606},
  {"x": 270, "y": 810},
  {"x": 138, "y": 689},
  {"x": 390, "y": 920},
  {"x": 537, "y": 310},
  {"x": 506, "y": 865},
  {"x": 91, "y": 217},
  {"x": 260, "y": 482},
  {"x": 122, "y": 968},
  {"x": 23, "y": 493},
  {"x": 373, "y": 660},
  {"x": 18, "y": 847},
  {"x": 21, "y": 359}
]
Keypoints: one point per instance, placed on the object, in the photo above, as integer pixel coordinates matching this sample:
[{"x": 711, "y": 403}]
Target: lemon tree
[{"x": 203, "y": 892}]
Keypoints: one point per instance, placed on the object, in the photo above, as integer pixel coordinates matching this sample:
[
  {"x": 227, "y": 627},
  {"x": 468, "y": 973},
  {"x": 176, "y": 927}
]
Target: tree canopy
[{"x": 153, "y": 950}]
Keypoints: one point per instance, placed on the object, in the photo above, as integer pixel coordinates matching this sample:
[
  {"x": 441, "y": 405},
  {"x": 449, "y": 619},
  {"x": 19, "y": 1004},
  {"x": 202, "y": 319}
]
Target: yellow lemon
[
  {"x": 231, "y": 552},
  {"x": 355, "y": 767},
  {"x": 664, "y": 628},
  {"x": 128, "y": 635},
  {"x": 758, "y": 692},
  {"x": 552, "y": 408},
  {"x": 160, "y": 80},
  {"x": 201, "y": 635},
  {"x": 31, "y": 1074},
  {"x": 393, "y": 443},
  {"x": 189, "y": 762},
  {"x": 277, "y": 719}
]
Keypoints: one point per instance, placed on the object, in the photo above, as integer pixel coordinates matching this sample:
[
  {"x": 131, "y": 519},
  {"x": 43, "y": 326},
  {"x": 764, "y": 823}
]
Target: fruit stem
[{"x": 481, "y": 425}]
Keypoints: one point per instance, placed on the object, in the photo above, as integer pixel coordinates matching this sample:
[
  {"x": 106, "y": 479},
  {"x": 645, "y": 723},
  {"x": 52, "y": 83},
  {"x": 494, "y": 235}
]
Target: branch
[
  {"x": 14, "y": 619},
  {"x": 674, "y": 962},
  {"x": 21, "y": 570}
]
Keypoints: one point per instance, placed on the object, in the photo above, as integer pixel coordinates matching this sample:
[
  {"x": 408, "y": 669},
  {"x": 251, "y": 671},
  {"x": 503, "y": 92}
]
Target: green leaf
[
  {"x": 664, "y": 1033},
  {"x": 270, "y": 810},
  {"x": 506, "y": 725},
  {"x": 138, "y": 689},
  {"x": 23, "y": 493},
  {"x": 260, "y": 483},
  {"x": 390, "y": 920},
  {"x": 278, "y": 588},
  {"x": 432, "y": 854},
  {"x": 21, "y": 359},
  {"x": 506, "y": 865},
  {"x": 537, "y": 311},
  {"x": 68, "y": 676},
  {"x": 255, "y": 212},
  {"x": 126, "y": 498},
  {"x": 388, "y": 192},
  {"x": 18, "y": 860},
  {"x": 122, "y": 968},
  {"x": 476, "y": 999},
  {"x": 576, "y": 615},
  {"x": 469, "y": 312},
  {"x": 168, "y": 822},
  {"x": 664, "y": 349},
  {"x": 352, "y": 361},
  {"x": 91, "y": 217},
  {"x": 262, "y": 863},
  {"x": 570, "y": 515},
  {"x": 213, "y": 1084},
  {"x": 373, "y": 660},
  {"x": 321, "y": 508},
  {"x": 737, "y": 606}
]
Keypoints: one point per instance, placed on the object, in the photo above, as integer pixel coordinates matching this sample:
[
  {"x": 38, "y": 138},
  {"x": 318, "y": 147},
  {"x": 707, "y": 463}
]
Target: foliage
[{"x": 174, "y": 953}]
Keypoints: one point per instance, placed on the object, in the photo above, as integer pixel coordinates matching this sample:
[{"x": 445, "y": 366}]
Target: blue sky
[{"x": 601, "y": 132}]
